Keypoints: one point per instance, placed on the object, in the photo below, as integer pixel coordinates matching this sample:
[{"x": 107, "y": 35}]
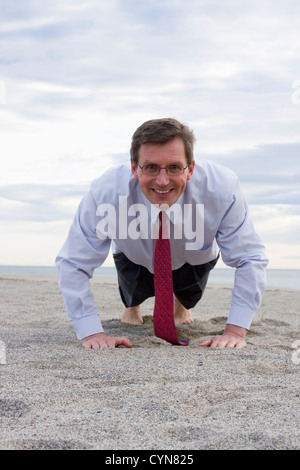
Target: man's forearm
[{"x": 79, "y": 300}]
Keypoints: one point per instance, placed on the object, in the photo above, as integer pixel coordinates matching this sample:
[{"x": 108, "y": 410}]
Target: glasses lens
[
  {"x": 153, "y": 170},
  {"x": 174, "y": 170}
]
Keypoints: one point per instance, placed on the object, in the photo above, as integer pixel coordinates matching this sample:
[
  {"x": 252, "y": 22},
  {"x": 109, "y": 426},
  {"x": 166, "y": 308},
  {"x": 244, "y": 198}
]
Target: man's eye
[
  {"x": 174, "y": 167},
  {"x": 151, "y": 167}
]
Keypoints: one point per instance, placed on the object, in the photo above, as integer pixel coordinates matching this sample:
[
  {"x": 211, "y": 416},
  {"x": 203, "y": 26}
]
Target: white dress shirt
[{"x": 113, "y": 212}]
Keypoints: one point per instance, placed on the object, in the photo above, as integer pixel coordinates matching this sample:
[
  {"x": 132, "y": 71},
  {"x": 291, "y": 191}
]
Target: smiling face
[{"x": 163, "y": 188}]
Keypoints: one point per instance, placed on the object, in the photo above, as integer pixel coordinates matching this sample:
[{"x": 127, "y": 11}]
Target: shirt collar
[{"x": 173, "y": 212}]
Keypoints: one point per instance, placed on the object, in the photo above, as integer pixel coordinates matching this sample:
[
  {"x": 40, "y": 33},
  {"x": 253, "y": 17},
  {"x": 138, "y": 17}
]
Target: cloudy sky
[{"x": 77, "y": 77}]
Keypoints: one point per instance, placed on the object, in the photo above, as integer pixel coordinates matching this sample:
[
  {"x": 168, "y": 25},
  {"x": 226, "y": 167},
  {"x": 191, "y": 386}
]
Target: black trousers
[{"x": 136, "y": 282}]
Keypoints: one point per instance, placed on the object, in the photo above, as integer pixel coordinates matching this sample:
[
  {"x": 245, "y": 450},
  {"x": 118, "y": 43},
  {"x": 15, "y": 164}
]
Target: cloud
[
  {"x": 39, "y": 203},
  {"x": 270, "y": 173}
]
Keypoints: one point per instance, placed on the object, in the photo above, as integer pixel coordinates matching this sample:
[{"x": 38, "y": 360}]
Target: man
[{"x": 206, "y": 213}]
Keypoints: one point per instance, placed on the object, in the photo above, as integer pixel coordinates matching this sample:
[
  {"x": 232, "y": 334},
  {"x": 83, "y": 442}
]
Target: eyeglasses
[{"x": 153, "y": 170}]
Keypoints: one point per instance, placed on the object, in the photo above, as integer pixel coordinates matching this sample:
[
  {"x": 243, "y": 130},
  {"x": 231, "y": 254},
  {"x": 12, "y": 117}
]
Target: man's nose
[{"x": 162, "y": 178}]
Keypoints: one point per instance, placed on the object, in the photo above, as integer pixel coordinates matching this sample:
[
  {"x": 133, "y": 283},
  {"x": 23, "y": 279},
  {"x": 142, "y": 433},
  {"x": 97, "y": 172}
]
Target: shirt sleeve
[
  {"x": 80, "y": 255},
  {"x": 242, "y": 249}
]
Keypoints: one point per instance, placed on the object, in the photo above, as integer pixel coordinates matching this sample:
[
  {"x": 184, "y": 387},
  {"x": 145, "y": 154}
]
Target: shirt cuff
[
  {"x": 87, "y": 326},
  {"x": 240, "y": 316}
]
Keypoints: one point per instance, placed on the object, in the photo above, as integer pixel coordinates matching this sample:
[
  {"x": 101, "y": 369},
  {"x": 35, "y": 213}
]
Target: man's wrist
[
  {"x": 93, "y": 336},
  {"x": 235, "y": 330}
]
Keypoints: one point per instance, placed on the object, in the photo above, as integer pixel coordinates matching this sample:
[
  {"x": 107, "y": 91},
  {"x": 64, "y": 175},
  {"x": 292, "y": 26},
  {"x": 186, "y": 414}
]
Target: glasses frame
[{"x": 162, "y": 168}]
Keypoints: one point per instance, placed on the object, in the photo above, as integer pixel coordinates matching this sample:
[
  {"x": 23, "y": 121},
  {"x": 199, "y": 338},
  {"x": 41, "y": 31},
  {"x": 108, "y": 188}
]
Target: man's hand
[
  {"x": 233, "y": 337},
  {"x": 100, "y": 340}
]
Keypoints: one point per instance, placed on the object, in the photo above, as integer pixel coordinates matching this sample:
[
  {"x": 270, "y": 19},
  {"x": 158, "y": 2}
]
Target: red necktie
[{"x": 163, "y": 316}]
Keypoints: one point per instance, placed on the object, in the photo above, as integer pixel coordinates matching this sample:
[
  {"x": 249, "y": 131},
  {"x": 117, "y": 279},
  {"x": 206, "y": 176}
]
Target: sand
[{"x": 56, "y": 395}]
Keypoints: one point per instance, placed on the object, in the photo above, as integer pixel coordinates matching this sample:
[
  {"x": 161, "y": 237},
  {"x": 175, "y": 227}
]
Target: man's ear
[
  {"x": 191, "y": 170},
  {"x": 134, "y": 170}
]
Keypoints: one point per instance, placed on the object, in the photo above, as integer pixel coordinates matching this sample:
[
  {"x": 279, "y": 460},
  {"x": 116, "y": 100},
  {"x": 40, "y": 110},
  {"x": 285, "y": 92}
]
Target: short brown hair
[{"x": 161, "y": 131}]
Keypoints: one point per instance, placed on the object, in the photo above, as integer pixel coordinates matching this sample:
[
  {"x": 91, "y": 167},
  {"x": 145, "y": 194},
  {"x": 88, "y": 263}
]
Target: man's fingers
[
  {"x": 104, "y": 341},
  {"x": 123, "y": 342},
  {"x": 224, "y": 341},
  {"x": 206, "y": 343},
  {"x": 114, "y": 342},
  {"x": 241, "y": 344}
]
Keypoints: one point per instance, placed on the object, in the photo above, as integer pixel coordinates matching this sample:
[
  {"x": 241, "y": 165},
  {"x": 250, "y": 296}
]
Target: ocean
[{"x": 276, "y": 278}]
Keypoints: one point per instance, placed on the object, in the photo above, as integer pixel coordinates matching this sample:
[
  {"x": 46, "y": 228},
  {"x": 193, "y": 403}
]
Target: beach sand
[{"x": 56, "y": 395}]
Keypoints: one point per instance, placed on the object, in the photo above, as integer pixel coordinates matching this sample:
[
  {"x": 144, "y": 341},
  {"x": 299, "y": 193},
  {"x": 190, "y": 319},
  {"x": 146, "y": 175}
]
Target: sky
[{"x": 78, "y": 77}]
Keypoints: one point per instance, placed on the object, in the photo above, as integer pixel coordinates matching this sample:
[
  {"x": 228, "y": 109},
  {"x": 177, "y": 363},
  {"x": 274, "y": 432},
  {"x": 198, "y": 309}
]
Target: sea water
[{"x": 276, "y": 278}]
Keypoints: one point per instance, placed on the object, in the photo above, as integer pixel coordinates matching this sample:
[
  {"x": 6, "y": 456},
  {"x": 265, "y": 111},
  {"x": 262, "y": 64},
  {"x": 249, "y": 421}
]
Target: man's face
[{"x": 163, "y": 188}]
